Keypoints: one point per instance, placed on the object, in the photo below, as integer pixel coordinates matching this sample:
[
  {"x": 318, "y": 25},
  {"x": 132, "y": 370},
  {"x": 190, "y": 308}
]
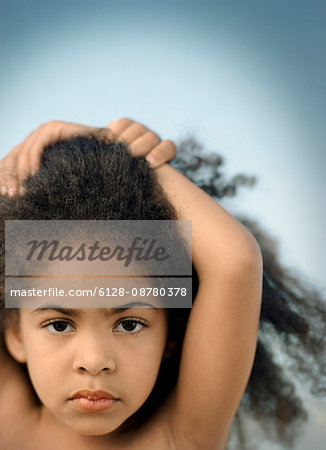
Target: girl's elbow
[{"x": 247, "y": 256}]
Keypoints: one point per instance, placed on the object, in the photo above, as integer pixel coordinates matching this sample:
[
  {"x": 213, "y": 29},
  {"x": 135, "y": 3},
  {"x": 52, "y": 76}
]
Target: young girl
[
  {"x": 135, "y": 378},
  {"x": 76, "y": 359}
]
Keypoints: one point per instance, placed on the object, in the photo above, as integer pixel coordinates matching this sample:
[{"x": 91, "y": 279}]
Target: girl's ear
[{"x": 14, "y": 342}]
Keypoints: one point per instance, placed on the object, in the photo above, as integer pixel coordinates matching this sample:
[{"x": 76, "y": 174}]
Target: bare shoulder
[{"x": 17, "y": 397}]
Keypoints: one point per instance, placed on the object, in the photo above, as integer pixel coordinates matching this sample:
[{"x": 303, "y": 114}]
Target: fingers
[
  {"x": 8, "y": 173},
  {"x": 128, "y": 131},
  {"x": 17, "y": 166},
  {"x": 22, "y": 161},
  {"x": 118, "y": 126},
  {"x": 25, "y": 158},
  {"x": 46, "y": 134},
  {"x": 8, "y": 177},
  {"x": 26, "y": 162},
  {"x": 161, "y": 153},
  {"x": 133, "y": 132},
  {"x": 143, "y": 142}
]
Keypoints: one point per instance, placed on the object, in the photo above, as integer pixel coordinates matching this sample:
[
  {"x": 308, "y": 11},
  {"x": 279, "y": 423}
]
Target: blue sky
[{"x": 246, "y": 77}]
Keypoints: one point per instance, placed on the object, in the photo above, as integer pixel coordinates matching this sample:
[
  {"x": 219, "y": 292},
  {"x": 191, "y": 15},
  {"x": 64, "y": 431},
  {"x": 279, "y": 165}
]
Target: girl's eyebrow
[
  {"x": 68, "y": 312},
  {"x": 108, "y": 311}
]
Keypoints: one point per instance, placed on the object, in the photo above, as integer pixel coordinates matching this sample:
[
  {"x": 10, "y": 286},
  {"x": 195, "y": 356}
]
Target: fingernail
[
  {"x": 22, "y": 190},
  {"x": 11, "y": 192},
  {"x": 3, "y": 190}
]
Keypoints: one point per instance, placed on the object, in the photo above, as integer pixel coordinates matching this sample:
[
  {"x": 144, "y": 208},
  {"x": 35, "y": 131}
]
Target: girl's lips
[
  {"x": 93, "y": 400},
  {"x": 101, "y": 404},
  {"x": 92, "y": 395}
]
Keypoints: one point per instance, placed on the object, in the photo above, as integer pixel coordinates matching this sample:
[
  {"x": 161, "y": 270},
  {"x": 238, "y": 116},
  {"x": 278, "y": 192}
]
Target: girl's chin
[
  {"x": 94, "y": 434},
  {"x": 91, "y": 429}
]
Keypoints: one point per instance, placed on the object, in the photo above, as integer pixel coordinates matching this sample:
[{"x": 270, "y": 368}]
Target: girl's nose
[{"x": 94, "y": 356}]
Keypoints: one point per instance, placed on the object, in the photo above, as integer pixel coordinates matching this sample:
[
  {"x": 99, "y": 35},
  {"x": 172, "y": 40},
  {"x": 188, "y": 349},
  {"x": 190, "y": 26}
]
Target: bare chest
[{"x": 32, "y": 435}]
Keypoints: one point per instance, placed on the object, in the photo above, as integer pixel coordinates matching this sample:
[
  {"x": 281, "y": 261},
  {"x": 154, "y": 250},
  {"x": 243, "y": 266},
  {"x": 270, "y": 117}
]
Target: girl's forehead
[{"x": 139, "y": 308}]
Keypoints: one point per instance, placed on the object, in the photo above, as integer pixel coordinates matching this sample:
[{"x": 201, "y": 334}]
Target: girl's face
[{"x": 111, "y": 350}]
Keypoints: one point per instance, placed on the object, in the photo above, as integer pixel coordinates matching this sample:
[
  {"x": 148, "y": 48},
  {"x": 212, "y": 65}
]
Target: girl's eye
[
  {"x": 130, "y": 326},
  {"x": 59, "y": 326}
]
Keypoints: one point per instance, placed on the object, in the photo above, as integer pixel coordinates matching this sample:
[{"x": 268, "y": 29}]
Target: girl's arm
[{"x": 221, "y": 335}]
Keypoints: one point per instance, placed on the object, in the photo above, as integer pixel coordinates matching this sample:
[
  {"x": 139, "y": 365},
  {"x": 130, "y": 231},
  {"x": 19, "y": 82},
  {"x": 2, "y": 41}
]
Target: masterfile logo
[{"x": 140, "y": 250}]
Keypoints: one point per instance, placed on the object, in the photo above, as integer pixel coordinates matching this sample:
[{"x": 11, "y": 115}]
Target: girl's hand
[
  {"x": 25, "y": 159},
  {"x": 143, "y": 142}
]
